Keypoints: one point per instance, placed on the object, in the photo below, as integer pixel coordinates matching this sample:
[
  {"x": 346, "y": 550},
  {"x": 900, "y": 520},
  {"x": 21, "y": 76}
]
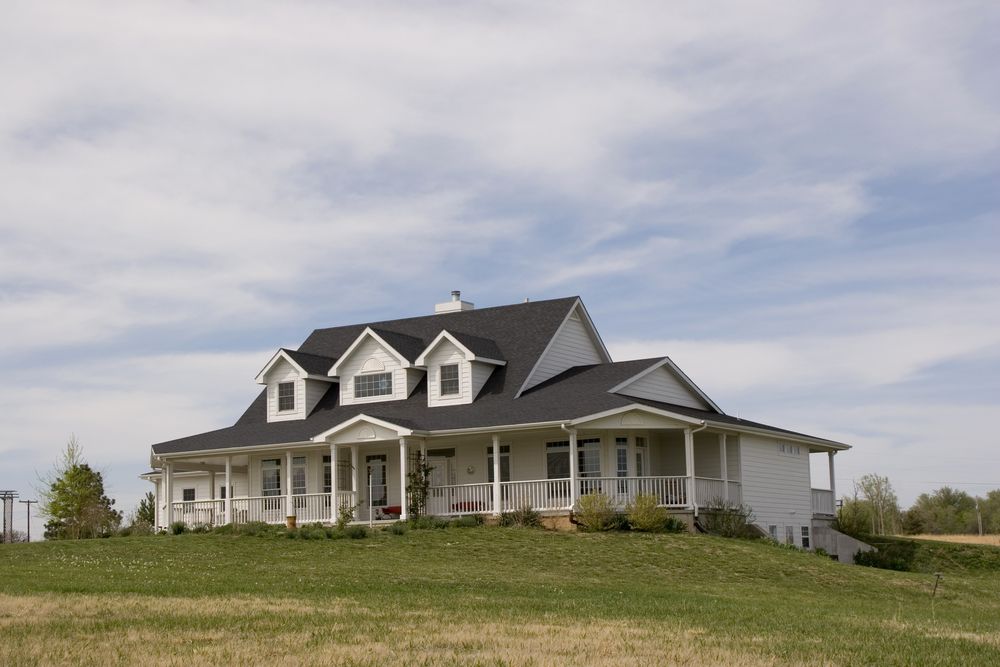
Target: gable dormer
[
  {"x": 663, "y": 381},
  {"x": 575, "y": 343},
  {"x": 295, "y": 382},
  {"x": 458, "y": 365},
  {"x": 378, "y": 366}
]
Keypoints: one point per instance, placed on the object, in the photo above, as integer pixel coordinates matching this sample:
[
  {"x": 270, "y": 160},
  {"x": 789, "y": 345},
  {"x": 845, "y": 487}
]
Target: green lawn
[{"x": 481, "y": 596}]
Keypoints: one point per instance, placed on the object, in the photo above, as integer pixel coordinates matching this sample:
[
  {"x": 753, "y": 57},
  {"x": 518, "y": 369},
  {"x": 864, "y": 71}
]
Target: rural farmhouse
[{"x": 509, "y": 406}]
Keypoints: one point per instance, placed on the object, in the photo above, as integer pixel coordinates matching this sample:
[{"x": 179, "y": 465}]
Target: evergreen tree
[{"x": 147, "y": 509}]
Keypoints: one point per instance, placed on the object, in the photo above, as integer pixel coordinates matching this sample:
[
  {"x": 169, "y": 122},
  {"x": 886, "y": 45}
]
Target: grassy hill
[{"x": 481, "y": 596}]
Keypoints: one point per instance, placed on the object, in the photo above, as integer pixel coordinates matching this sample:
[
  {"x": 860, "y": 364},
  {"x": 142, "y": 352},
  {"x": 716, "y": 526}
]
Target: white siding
[
  {"x": 444, "y": 354},
  {"x": 733, "y": 457},
  {"x": 571, "y": 346},
  {"x": 315, "y": 390},
  {"x": 776, "y": 485},
  {"x": 283, "y": 371},
  {"x": 706, "y": 455},
  {"x": 199, "y": 481},
  {"x": 480, "y": 374},
  {"x": 371, "y": 349},
  {"x": 663, "y": 385},
  {"x": 667, "y": 453}
]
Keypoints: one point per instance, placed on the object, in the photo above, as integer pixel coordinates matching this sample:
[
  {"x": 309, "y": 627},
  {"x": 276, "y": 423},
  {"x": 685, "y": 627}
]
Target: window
[
  {"x": 772, "y": 530},
  {"x": 270, "y": 477},
  {"x": 344, "y": 481},
  {"x": 298, "y": 475},
  {"x": 588, "y": 457},
  {"x": 504, "y": 463},
  {"x": 789, "y": 449},
  {"x": 557, "y": 459},
  {"x": 188, "y": 495},
  {"x": 789, "y": 535},
  {"x": 222, "y": 492},
  {"x": 805, "y": 537},
  {"x": 621, "y": 456},
  {"x": 286, "y": 396},
  {"x": 449, "y": 380},
  {"x": 640, "y": 456},
  {"x": 376, "y": 384}
]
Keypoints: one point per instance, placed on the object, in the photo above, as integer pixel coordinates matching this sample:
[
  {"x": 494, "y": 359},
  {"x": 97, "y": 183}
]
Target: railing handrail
[{"x": 460, "y": 486}]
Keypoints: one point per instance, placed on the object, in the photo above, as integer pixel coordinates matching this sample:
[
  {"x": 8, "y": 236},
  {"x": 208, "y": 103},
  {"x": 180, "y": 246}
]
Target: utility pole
[
  {"x": 979, "y": 518},
  {"x": 8, "y": 515},
  {"x": 27, "y": 506}
]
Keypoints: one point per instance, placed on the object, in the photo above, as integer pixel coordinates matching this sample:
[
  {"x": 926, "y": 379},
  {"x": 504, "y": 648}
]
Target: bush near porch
[{"x": 488, "y": 595}]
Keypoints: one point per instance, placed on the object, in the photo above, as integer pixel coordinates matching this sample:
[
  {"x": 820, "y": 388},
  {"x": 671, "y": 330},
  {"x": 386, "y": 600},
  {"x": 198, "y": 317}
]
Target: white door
[{"x": 438, "y": 501}]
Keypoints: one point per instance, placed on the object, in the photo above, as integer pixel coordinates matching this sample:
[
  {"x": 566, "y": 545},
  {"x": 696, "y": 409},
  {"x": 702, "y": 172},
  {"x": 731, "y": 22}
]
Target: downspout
[{"x": 694, "y": 497}]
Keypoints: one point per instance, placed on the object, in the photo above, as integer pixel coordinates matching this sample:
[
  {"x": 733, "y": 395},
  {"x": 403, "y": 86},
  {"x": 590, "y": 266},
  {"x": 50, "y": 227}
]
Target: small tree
[
  {"x": 146, "y": 512},
  {"x": 73, "y": 499},
  {"x": 418, "y": 485}
]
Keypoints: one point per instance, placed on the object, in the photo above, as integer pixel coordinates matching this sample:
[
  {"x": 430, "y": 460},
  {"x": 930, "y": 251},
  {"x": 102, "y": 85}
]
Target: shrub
[
  {"x": 356, "y": 532},
  {"x": 619, "y": 521},
  {"x": 398, "y": 528},
  {"x": 594, "y": 512},
  {"x": 645, "y": 516},
  {"x": 674, "y": 525},
  {"x": 467, "y": 521},
  {"x": 178, "y": 528},
  {"x": 428, "y": 523},
  {"x": 728, "y": 519},
  {"x": 523, "y": 517},
  {"x": 201, "y": 528},
  {"x": 345, "y": 515}
]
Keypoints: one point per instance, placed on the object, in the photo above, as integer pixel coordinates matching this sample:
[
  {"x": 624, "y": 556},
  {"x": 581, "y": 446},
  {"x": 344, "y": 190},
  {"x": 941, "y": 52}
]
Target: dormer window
[
  {"x": 374, "y": 384},
  {"x": 286, "y": 396},
  {"x": 449, "y": 380}
]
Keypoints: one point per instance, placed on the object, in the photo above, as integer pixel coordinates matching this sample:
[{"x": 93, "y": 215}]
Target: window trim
[
  {"x": 184, "y": 495},
  {"x": 281, "y": 398},
  {"x": 504, "y": 454},
  {"x": 457, "y": 380},
  {"x": 806, "y": 537}
]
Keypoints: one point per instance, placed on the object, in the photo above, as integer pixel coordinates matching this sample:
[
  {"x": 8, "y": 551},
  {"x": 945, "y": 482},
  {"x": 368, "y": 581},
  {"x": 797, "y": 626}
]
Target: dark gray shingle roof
[
  {"x": 313, "y": 364},
  {"x": 481, "y": 347}
]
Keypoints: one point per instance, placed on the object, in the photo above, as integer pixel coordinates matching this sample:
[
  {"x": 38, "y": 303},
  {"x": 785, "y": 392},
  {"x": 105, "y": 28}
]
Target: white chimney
[{"x": 455, "y": 305}]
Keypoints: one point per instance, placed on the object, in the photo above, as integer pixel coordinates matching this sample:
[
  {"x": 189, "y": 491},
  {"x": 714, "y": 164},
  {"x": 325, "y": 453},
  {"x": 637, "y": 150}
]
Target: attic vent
[{"x": 455, "y": 305}]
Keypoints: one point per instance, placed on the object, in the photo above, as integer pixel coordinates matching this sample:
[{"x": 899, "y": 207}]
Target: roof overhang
[
  {"x": 466, "y": 352},
  {"x": 628, "y": 411},
  {"x": 820, "y": 444},
  {"x": 681, "y": 375},
  {"x": 368, "y": 332},
  {"x": 282, "y": 355},
  {"x": 362, "y": 428}
]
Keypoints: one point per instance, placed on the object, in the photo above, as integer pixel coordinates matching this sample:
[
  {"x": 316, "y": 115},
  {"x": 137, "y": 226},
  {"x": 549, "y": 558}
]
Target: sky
[{"x": 798, "y": 202}]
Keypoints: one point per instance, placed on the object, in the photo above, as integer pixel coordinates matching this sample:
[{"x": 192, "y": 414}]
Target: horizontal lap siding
[
  {"x": 706, "y": 455},
  {"x": 663, "y": 385},
  {"x": 284, "y": 372},
  {"x": 480, "y": 374},
  {"x": 444, "y": 354},
  {"x": 367, "y": 350},
  {"x": 572, "y": 346},
  {"x": 775, "y": 485}
]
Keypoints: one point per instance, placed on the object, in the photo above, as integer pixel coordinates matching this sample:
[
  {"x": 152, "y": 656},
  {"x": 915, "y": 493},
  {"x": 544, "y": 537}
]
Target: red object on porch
[{"x": 393, "y": 509}]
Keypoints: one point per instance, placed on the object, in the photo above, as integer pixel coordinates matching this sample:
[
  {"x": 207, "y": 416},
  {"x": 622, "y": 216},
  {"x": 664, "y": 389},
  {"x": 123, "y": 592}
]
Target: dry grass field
[
  {"x": 482, "y": 596},
  {"x": 992, "y": 540}
]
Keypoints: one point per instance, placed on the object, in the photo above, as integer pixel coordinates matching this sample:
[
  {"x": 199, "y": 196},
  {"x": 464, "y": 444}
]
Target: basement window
[
  {"x": 805, "y": 537},
  {"x": 449, "y": 380},
  {"x": 286, "y": 396}
]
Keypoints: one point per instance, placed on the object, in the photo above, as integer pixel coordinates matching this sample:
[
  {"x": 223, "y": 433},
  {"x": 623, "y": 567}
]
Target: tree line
[{"x": 873, "y": 509}]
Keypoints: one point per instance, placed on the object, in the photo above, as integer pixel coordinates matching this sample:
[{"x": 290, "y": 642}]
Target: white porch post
[
  {"x": 689, "y": 460},
  {"x": 289, "y": 503},
  {"x": 423, "y": 450},
  {"x": 354, "y": 472},
  {"x": 574, "y": 492},
  {"x": 158, "y": 513},
  {"x": 496, "y": 475},
  {"x": 211, "y": 485},
  {"x": 403, "y": 513},
  {"x": 334, "y": 507},
  {"x": 833, "y": 484},
  {"x": 168, "y": 493},
  {"x": 229, "y": 490},
  {"x": 725, "y": 467}
]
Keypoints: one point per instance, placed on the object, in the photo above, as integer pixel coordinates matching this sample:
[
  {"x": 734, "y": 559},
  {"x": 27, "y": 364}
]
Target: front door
[
  {"x": 378, "y": 491},
  {"x": 439, "y": 499}
]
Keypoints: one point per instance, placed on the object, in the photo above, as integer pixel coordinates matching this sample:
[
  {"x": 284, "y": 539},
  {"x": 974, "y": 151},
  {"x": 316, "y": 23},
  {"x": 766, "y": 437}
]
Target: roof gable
[
  {"x": 382, "y": 337},
  {"x": 473, "y": 348},
  {"x": 665, "y": 382},
  {"x": 311, "y": 366}
]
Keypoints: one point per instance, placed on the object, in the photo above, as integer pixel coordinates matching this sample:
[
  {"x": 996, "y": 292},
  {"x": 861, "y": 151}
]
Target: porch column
[
  {"x": 354, "y": 472},
  {"x": 229, "y": 490},
  {"x": 423, "y": 449},
  {"x": 289, "y": 503},
  {"x": 689, "y": 460},
  {"x": 725, "y": 467},
  {"x": 496, "y": 475},
  {"x": 158, "y": 514},
  {"x": 402, "y": 479},
  {"x": 833, "y": 484},
  {"x": 211, "y": 485},
  {"x": 334, "y": 506},
  {"x": 574, "y": 492},
  {"x": 168, "y": 493}
]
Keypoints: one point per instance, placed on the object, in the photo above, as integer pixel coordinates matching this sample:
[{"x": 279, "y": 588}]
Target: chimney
[{"x": 455, "y": 305}]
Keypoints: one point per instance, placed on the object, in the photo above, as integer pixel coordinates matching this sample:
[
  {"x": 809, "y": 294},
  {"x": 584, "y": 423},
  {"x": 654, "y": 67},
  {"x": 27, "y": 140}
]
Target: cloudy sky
[{"x": 798, "y": 202}]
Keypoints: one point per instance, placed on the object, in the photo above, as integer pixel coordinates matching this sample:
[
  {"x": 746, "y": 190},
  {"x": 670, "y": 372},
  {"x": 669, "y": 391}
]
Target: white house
[{"x": 339, "y": 421}]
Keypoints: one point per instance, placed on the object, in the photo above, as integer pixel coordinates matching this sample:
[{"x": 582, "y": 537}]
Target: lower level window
[
  {"x": 772, "y": 530},
  {"x": 504, "y": 463},
  {"x": 789, "y": 535},
  {"x": 298, "y": 475},
  {"x": 805, "y": 537},
  {"x": 270, "y": 477},
  {"x": 188, "y": 495}
]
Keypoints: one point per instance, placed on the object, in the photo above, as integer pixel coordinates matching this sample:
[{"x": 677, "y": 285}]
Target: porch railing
[
  {"x": 822, "y": 502},
  {"x": 199, "y": 512},
  {"x": 668, "y": 491},
  {"x": 541, "y": 494},
  {"x": 457, "y": 499}
]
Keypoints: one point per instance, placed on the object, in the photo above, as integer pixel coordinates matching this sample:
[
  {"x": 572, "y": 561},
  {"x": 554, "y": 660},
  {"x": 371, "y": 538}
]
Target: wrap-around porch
[{"x": 683, "y": 468}]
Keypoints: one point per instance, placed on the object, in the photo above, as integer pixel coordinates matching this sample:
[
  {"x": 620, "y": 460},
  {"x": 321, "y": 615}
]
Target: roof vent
[{"x": 455, "y": 305}]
